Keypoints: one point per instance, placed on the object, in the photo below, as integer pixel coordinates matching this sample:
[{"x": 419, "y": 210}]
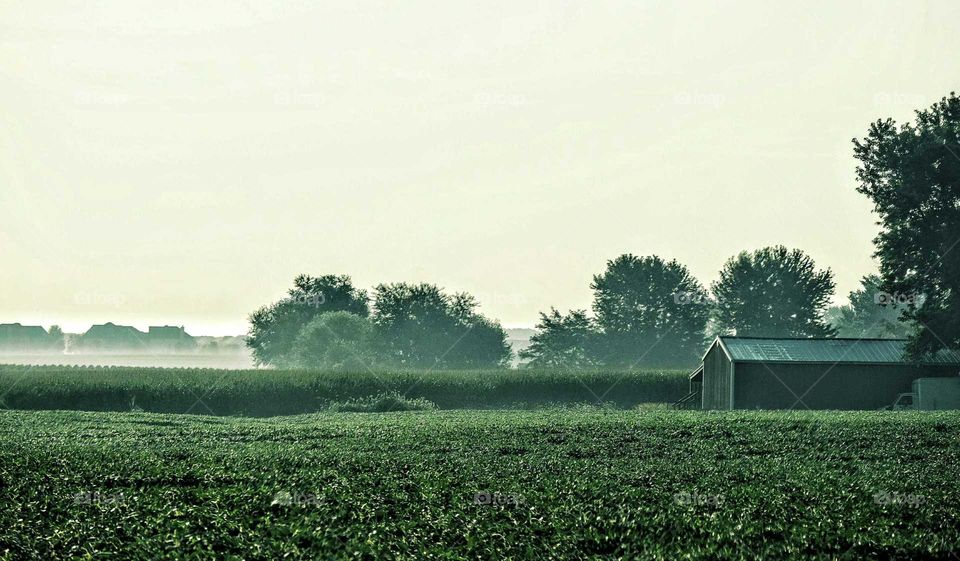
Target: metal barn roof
[{"x": 879, "y": 351}]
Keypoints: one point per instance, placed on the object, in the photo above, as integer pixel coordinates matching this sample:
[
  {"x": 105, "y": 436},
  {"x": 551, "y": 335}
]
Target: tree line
[
  {"x": 326, "y": 322},
  {"x": 648, "y": 311},
  {"x": 911, "y": 172}
]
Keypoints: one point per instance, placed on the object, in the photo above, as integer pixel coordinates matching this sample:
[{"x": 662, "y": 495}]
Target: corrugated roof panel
[{"x": 827, "y": 350}]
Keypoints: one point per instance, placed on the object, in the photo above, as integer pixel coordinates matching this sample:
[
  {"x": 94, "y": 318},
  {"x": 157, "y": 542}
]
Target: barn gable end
[{"x": 717, "y": 377}]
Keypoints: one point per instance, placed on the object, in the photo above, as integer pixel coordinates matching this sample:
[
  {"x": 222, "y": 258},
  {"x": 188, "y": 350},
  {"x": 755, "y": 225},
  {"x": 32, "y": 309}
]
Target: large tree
[
  {"x": 335, "y": 341},
  {"x": 911, "y": 172},
  {"x": 772, "y": 292},
  {"x": 57, "y": 338},
  {"x": 275, "y": 327},
  {"x": 418, "y": 325},
  {"x": 871, "y": 313},
  {"x": 650, "y": 311},
  {"x": 562, "y": 341}
]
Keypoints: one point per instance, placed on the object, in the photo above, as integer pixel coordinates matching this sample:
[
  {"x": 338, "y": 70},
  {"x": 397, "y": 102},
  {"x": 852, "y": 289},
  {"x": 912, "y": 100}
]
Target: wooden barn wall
[
  {"x": 826, "y": 386},
  {"x": 716, "y": 379},
  {"x": 696, "y": 383}
]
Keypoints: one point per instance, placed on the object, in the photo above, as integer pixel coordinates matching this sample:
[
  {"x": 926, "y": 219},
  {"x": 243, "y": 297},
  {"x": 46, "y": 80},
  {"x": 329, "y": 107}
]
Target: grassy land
[
  {"x": 608, "y": 484},
  {"x": 290, "y": 392}
]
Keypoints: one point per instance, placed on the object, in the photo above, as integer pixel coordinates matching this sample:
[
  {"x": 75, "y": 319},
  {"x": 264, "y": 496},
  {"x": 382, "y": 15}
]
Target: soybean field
[{"x": 574, "y": 484}]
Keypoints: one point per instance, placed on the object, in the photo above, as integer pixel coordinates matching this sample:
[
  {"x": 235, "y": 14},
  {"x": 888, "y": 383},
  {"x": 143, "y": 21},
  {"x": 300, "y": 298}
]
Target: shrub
[{"x": 383, "y": 403}]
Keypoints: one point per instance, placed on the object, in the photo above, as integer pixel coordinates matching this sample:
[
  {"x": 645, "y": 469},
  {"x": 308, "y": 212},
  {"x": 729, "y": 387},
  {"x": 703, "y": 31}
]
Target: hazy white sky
[{"x": 181, "y": 162}]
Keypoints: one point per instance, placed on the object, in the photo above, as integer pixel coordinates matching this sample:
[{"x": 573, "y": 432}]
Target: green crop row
[
  {"x": 288, "y": 392},
  {"x": 481, "y": 485}
]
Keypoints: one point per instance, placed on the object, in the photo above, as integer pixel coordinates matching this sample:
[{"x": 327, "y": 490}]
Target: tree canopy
[
  {"x": 418, "y": 325},
  {"x": 773, "y": 292},
  {"x": 650, "y": 311},
  {"x": 871, "y": 313},
  {"x": 324, "y": 322},
  {"x": 274, "y": 328},
  {"x": 335, "y": 341},
  {"x": 567, "y": 341},
  {"x": 911, "y": 172}
]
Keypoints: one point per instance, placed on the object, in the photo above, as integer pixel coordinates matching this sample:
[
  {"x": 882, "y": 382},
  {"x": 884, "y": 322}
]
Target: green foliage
[
  {"x": 582, "y": 484},
  {"x": 274, "y": 328},
  {"x": 418, "y": 325},
  {"x": 651, "y": 312},
  {"x": 413, "y": 326},
  {"x": 289, "y": 392},
  {"x": 773, "y": 292},
  {"x": 335, "y": 341},
  {"x": 383, "y": 403},
  {"x": 871, "y": 313},
  {"x": 57, "y": 338},
  {"x": 563, "y": 341},
  {"x": 912, "y": 175}
]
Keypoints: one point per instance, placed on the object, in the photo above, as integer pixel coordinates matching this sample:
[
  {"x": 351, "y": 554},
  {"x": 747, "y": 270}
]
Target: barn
[{"x": 768, "y": 373}]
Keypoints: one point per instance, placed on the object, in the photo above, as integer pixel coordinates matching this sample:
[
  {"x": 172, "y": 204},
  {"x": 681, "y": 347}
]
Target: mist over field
[
  {"x": 230, "y": 354},
  {"x": 237, "y": 360}
]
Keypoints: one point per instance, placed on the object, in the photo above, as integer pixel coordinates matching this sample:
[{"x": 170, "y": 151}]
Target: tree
[
  {"x": 57, "y": 338},
  {"x": 273, "y": 328},
  {"x": 650, "y": 312},
  {"x": 335, "y": 341},
  {"x": 871, "y": 313},
  {"x": 417, "y": 325},
  {"x": 566, "y": 341},
  {"x": 773, "y": 292},
  {"x": 912, "y": 174}
]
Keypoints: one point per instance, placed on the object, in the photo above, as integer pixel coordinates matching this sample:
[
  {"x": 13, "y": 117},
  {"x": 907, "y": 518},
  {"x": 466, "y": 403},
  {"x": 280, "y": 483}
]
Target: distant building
[
  {"x": 170, "y": 338},
  {"x": 758, "y": 373},
  {"x": 16, "y": 337},
  {"x": 110, "y": 337}
]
